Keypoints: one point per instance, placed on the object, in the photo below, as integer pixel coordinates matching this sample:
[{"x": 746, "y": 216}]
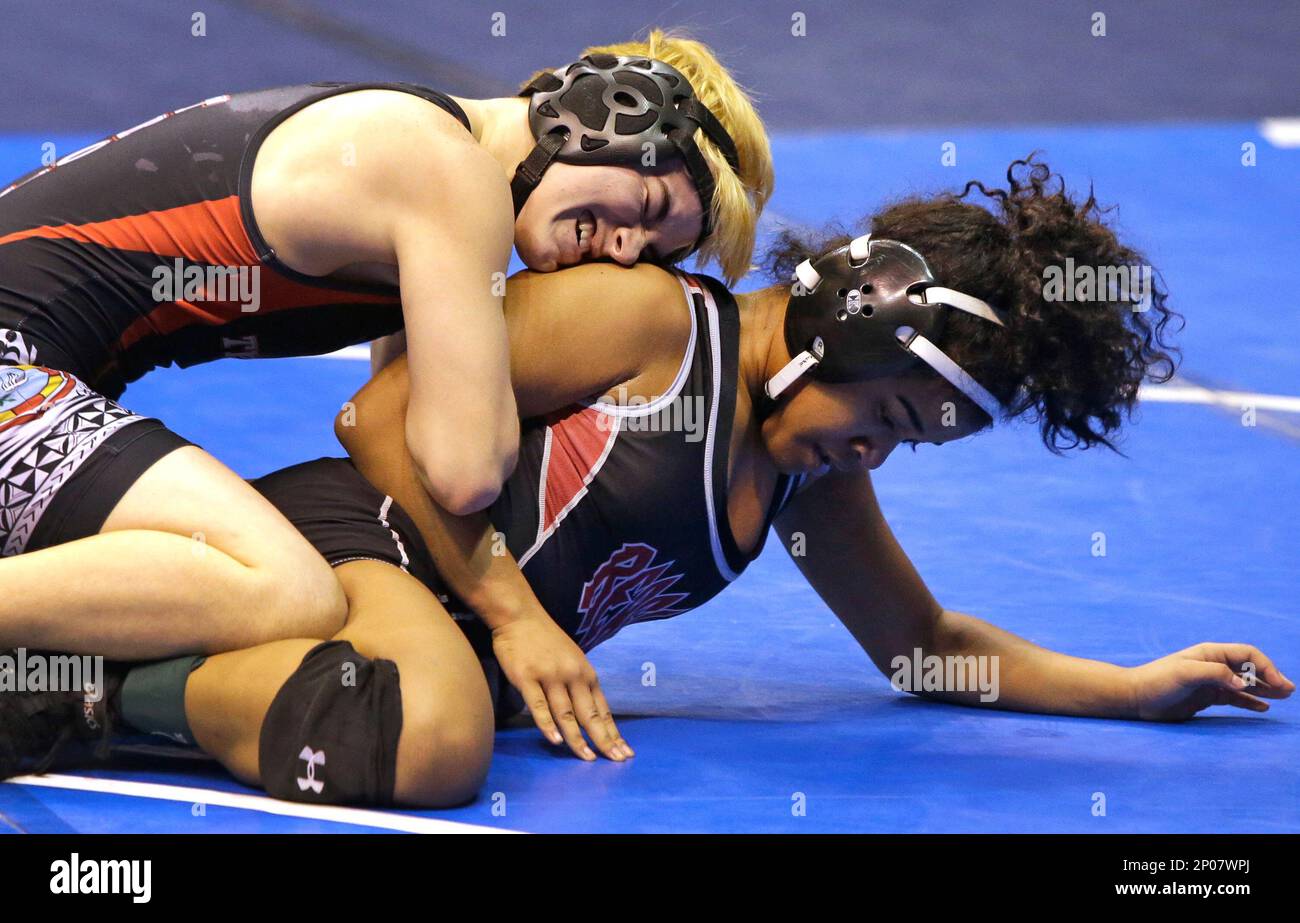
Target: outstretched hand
[
  {"x": 1176, "y": 687},
  {"x": 559, "y": 686}
]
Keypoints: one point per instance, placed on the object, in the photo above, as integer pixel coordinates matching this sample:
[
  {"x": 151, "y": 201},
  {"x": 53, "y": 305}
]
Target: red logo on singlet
[{"x": 629, "y": 587}]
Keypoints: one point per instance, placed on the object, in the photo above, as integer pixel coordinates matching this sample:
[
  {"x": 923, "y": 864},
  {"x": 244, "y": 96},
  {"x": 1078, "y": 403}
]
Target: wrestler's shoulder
[
  {"x": 392, "y": 108},
  {"x": 391, "y": 134},
  {"x": 644, "y": 298}
]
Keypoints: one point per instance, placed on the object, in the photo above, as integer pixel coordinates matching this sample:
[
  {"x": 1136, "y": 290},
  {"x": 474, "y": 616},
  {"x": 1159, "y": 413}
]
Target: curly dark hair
[{"x": 1072, "y": 367}]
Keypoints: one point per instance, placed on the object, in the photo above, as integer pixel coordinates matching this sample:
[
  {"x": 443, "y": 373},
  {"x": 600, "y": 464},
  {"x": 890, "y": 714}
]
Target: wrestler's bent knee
[
  {"x": 447, "y": 747},
  {"x": 300, "y": 600},
  {"x": 331, "y": 733}
]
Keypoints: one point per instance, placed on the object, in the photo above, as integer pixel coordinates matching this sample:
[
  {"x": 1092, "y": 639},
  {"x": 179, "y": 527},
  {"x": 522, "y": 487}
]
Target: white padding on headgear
[
  {"x": 860, "y": 248},
  {"x": 806, "y": 275},
  {"x": 956, "y": 376},
  {"x": 783, "y": 379},
  {"x": 937, "y": 294}
]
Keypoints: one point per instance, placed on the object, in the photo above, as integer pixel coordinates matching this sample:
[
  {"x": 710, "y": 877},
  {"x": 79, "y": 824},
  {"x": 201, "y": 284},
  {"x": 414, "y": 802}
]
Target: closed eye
[
  {"x": 660, "y": 216},
  {"x": 665, "y": 202},
  {"x": 912, "y": 415},
  {"x": 893, "y": 428},
  {"x": 650, "y": 252}
]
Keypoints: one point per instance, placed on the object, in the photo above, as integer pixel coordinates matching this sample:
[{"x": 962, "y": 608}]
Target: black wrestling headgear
[
  {"x": 871, "y": 309},
  {"x": 605, "y": 109}
]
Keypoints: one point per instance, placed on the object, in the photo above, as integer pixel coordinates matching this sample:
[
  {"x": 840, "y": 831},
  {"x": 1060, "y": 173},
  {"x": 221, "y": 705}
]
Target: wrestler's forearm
[
  {"x": 476, "y": 564},
  {"x": 477, "y": 567},
  {"x": 1018, "y": 675}
]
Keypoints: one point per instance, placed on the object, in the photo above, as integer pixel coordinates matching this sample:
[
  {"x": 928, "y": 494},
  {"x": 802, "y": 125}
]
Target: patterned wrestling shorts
[
  {"x": 67, "y": 452},
  {"x": 50, "y": 425}
]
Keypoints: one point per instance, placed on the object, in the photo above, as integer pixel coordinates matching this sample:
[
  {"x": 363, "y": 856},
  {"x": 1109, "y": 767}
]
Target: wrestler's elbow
[
  {"x": 460, "y": 490},
  {"x": 464, "y": 473}
]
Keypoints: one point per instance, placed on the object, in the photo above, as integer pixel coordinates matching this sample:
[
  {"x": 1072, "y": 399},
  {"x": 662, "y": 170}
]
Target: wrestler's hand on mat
[
  {"x": 559, "y": 686},
  {"x": 1176, "y": 687}
]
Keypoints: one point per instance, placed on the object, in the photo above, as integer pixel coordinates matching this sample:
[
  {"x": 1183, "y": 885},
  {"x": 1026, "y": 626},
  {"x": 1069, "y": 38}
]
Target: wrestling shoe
[{"x": 42, "y": 730}]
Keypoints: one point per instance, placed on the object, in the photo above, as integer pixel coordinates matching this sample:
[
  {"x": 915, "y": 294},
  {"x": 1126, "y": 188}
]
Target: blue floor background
[{"x": 761, "y": 694}]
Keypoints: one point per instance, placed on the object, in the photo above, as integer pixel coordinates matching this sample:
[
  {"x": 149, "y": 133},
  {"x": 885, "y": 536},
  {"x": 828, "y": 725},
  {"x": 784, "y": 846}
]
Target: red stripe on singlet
[
  {"x": 203, "y": 232},
  {"x": 210, "y": 232},
  {"x": 578, "y": 442},
  {"x": 277, "y": 294}
]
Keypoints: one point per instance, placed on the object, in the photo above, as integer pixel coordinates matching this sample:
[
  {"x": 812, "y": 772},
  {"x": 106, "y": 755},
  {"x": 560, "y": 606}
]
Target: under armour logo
[{"x": 314, "y": 758}]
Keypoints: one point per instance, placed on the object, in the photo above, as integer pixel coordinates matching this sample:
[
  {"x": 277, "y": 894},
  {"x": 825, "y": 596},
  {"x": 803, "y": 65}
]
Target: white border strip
[
  {"x": 710, "y": 440},
  {"x": 1281, "y": 132},
  {"x": 679, "y": 381},
  {"x": 347, "y": 352},
  {"x": 330, "y": 813},
  {"x": 1194, "y": 394},
  {"x": 546, "y": 533}
]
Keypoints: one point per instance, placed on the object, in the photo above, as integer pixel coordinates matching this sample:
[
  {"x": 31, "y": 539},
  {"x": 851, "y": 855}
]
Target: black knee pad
[{"x": 330, "y": 735}]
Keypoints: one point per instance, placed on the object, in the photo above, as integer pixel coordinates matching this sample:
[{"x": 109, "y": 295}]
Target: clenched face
[
  {"x": 582, "y": 213},
  {"x": 858, "y": 425}
]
